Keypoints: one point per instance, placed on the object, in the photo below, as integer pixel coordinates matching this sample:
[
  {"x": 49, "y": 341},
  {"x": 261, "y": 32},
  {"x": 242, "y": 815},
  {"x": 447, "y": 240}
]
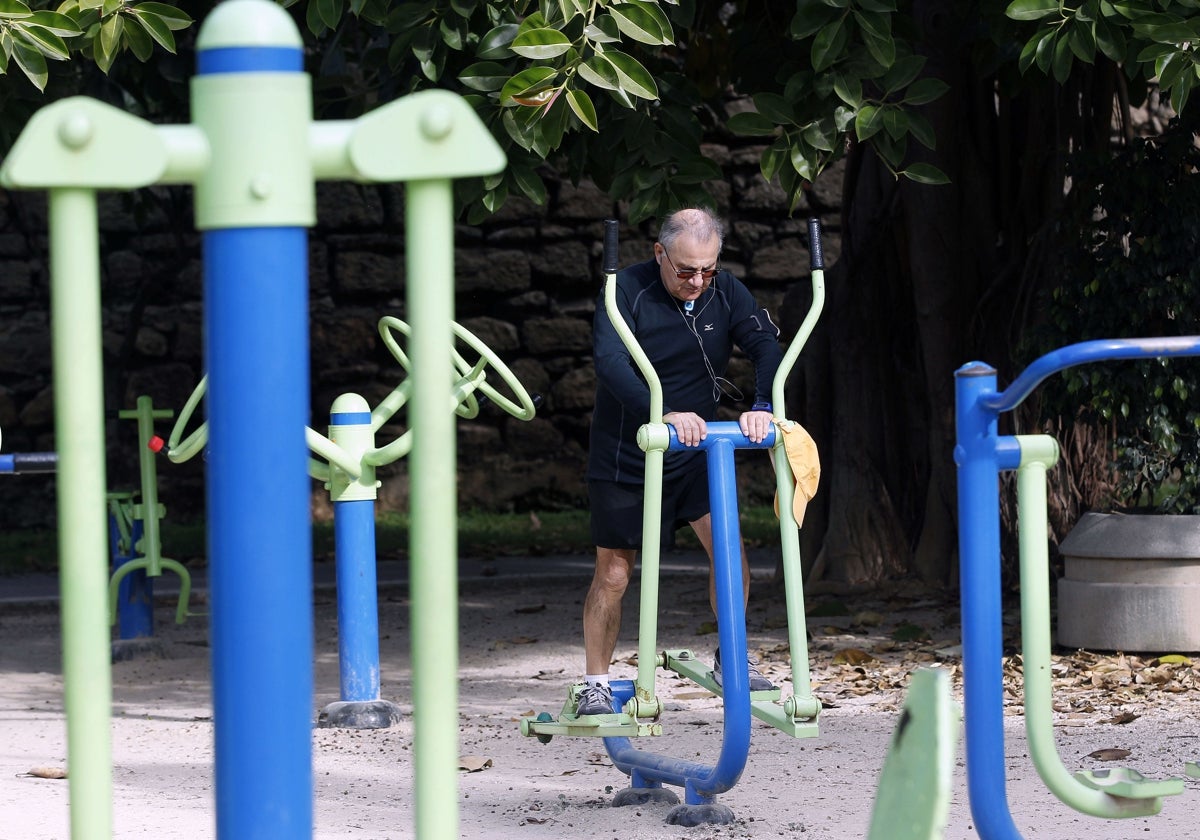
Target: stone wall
[{"x": 527, "y": 284}]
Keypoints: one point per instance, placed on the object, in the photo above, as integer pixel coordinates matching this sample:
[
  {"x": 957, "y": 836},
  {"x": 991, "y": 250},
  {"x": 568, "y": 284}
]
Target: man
[{"x": 687, "y": 314}]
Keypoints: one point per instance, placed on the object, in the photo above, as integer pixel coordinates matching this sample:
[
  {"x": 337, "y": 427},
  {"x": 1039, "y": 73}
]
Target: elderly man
[{"x": 687, "y": 314}]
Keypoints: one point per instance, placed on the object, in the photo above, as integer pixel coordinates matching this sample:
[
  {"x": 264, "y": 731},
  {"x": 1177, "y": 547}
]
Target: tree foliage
[{"x": 954, "y": 120}]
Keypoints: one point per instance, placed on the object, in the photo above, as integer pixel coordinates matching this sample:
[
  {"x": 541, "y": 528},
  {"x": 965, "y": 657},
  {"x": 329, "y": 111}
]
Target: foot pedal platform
[
  {"x": 545, "y": 726},
  {"x": 764, "y": 705},
  {"x": 1129, "y": 784}
]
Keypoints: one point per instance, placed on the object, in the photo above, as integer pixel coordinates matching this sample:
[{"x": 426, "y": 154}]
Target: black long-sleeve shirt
[{"x": 672, "y": 338}]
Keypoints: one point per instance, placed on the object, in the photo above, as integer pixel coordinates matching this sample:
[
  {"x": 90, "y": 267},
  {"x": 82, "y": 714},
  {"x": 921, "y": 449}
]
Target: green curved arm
[
  {"x": 145, "y": 563},
  {"x": 1038, "y": 453},
  {"x": 179, "y": 451},
  {"x": 802, "y": 704}
]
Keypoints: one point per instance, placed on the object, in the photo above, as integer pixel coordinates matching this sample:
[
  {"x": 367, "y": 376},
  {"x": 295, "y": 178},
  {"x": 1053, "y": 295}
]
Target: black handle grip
[
  {"x": 814, "y": 244},
  {"x": 611, "y": 260}
]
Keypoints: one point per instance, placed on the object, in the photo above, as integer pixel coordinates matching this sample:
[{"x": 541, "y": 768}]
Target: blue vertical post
[
  {"x": 360, "y": 706},
  {"x": 135, "y": 592},
  {"x": 978, "y": 460},
  {"x": 731, "y": 611},
  {"x": 358, "y": 614},
  {"x": 253, "y": 203}
]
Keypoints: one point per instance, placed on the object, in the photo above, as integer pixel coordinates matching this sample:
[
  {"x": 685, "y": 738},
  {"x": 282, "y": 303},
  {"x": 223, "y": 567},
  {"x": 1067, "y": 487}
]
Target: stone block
[{"x": 1131, "y": 583}]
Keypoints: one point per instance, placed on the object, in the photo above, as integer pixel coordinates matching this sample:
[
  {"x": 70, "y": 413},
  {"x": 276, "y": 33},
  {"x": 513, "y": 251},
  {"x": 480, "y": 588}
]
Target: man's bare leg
[
  {"x": 703, "y": 530},
  {"x": 602, "y": 607}
]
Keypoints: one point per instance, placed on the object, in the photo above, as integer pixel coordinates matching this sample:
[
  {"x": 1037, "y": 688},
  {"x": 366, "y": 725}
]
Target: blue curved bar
[
  {"x": 1100, "y": 350},
  {"x": 703, "y": 781},
  {"x": 981, "y": 454}
]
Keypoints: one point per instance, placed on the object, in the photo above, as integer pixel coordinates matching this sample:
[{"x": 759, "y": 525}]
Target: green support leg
[{"x": 83, "y": 531}]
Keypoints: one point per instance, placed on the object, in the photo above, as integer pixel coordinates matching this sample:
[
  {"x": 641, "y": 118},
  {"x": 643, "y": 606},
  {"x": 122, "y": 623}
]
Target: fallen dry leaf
[
  {"x": 473, "y": 763},
  {"x": 852, "y": 656},
  {"x": 47, "y": 773},
  {"x": 1109, "y": 754}
]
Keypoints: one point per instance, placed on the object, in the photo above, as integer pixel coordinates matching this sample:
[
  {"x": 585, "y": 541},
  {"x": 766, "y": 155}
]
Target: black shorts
[{"x": 617, "y": 508}]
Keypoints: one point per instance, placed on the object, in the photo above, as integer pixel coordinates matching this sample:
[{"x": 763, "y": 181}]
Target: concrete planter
[{"x": 1131, "y": 583}]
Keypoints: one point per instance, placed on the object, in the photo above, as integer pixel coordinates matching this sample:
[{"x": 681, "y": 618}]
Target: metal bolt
[{"x": 75, "y": 131}]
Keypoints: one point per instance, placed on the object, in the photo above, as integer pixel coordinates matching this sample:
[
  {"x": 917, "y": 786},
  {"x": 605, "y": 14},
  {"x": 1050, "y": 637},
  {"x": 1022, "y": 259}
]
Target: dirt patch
[{"x": 520, "y": 649}]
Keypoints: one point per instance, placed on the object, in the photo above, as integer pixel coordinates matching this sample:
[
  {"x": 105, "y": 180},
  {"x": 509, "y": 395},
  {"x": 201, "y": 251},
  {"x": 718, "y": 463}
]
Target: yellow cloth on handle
[{"x": 802, "y": 455}]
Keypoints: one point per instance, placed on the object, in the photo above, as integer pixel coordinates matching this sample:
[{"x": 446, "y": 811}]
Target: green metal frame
[
  {"x": 1115, "y": 793},
  {"x": 796, "y": 714},
  {"x": 149, "y": 512}
]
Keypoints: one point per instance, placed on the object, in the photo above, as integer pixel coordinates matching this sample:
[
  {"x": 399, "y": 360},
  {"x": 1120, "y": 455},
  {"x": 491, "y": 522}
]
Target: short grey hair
[{"x": 697, "y": 222}]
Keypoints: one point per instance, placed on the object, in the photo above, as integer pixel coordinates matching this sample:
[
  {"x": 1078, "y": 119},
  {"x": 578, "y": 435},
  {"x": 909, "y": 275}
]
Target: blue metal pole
[
  {"x": 254, "y": 202},
  {"x": 259, "y": 535},
  {"x": 700, "y": 781},
  {"x": 731, "y": 614},
  {"x": 358, "y": 614},
  {"x": 979, "y": 562},
  {"x": 135, "y": 592}
]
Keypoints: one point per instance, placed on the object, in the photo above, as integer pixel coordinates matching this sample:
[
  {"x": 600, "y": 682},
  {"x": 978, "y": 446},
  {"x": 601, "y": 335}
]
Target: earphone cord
[{"x": 721, "y": 385}]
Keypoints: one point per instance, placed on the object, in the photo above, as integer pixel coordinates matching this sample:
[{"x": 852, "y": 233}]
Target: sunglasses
[{"x": 706, "y": 274}]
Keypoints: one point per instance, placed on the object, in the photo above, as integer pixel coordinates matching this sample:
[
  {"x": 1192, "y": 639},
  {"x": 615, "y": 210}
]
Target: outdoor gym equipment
[
  {"x": 348, "y": 460},
  {"x": 981, "y": 454},
  {"x": 137, "y": 544},
  {"x": 134, "y": 537},
  {"x": 640, "y": 709},
  {"x": 253, "y": 155}
]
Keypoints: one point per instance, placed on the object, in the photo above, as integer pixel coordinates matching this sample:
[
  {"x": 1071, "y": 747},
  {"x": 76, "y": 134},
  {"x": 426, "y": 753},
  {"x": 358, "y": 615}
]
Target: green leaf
[
  {"x": 540, "y": 43},
  {"x": 696, "y": 170},
  {"x": 529, "y": 183},
  {"x": 485, "y": 76},
  {"x": 924, "y": 91},
  {"x": 1083, "y": 43},
  {"x": 1063, "y": 59},
  {"x": 1030, "y": 50},
  {"x": 110, "y": 39},
  {"x": 883, "y": 50},
  {"x": 1031, "y": 9},
  {"x": 330, "y": 12},
  {"x": 924, "y": 173},
  {"x": 821, "y": 135},
  {"x": 636, "y": 23},
  {"x": 920, "y": 128},
  {"x": 42, "y": 40},
  {"x": 644, "y": 206},
  {"x": 174, "y": 18},
  {"x": 32, "y": 64},
  {"x": 603, "y": 30},
  {"x": 1110, "y": 40},
  {"x": 771, "y": 161},
  {"x": 750, "y": 124},
  {"x": 139, "y": 41},
  {"x": 1181, "y": 91},
  {"x": 495, "y": 44},
  {"x": 868, "y": 122},
  {"x": 848, "y": 89},
  {"x": 895, "y": 122},
  {"x": 828, "y": 45},
  {"x": 156, "y": 27},
  {"x": 598, "y": 71},
  {"x": 528, "y": 82},
  {"x": 902, "y": 73},
  {"x": 635, "y": 79},
  {"x": 809, "y": 18},
  {"x": 582, "y": 107},
  {"x": 775, "y": 108},
  {"x": 14, "y": 10},
  {"x": 452, "y": 35},
  {"x": 60, "y": 25}
]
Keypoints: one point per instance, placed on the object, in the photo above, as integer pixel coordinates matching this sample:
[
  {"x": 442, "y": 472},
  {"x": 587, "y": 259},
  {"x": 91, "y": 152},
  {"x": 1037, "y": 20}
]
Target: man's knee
[{"x": 614, "y": 568}]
